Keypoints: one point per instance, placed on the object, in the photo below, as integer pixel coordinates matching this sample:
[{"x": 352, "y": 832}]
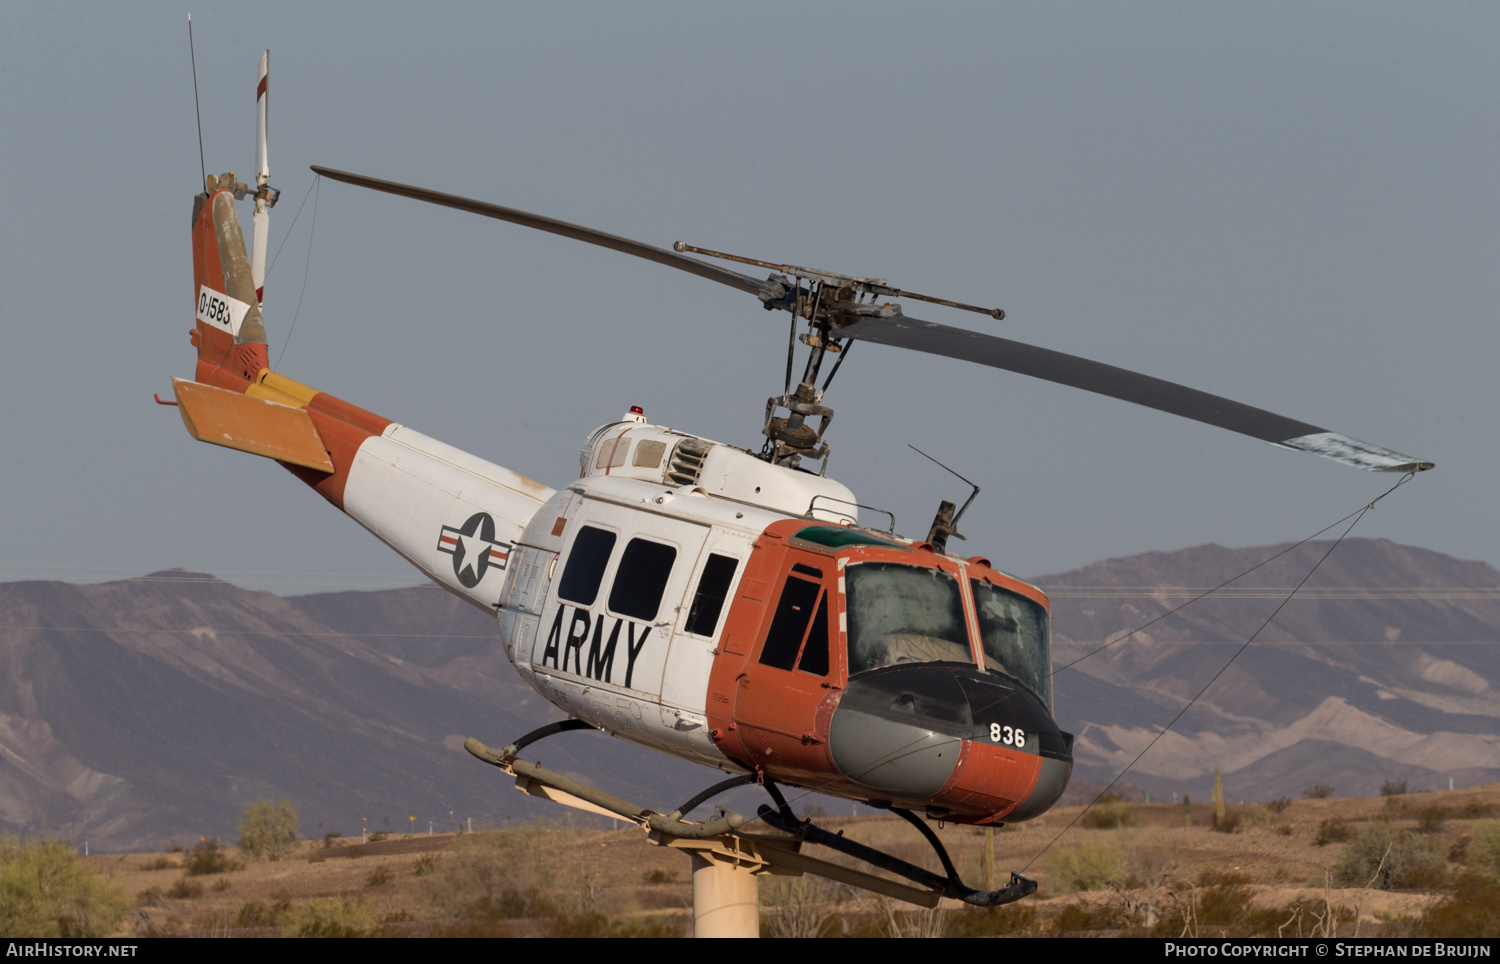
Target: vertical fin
[{"x": 228, "y": 333}]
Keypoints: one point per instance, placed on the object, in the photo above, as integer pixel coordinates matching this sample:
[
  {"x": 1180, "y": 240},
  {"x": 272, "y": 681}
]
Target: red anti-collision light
[{"x": 637, "y": 410}]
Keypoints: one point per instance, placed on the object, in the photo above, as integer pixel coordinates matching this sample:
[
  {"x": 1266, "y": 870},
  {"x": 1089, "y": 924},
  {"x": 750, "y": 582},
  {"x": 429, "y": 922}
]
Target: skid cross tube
[
  {"x": 710, "y": 793},
  {"x": 950, "y": 886}
]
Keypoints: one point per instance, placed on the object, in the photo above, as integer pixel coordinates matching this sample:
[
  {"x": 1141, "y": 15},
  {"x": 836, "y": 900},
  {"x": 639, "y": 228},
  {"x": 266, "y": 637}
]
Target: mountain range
[{"x": 1377, "y": 670}]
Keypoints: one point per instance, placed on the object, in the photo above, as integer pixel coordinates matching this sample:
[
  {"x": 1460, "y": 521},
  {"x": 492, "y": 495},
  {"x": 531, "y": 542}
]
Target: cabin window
[
  {"x": 585, "y": 569},
  {"x": 1014, "y": 632},
  {"x": 904, "y": 614},
  {"x": 612, "y": 453},
  {"x": 641, "y": 579},
  {"x": 713, "y": 589},
  {"x": 788, "y": 627}
]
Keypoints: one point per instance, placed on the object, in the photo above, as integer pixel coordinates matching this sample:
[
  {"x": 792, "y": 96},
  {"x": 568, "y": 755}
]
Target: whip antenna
[{"x": 202, "y": 165}]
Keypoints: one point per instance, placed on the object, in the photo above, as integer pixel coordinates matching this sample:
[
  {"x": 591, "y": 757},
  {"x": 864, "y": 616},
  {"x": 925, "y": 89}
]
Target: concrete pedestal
[{"x": 726, "y": 899}]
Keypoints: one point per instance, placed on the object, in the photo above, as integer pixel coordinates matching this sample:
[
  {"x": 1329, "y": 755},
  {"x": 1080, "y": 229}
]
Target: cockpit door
[{"x": 785, "y": 694}]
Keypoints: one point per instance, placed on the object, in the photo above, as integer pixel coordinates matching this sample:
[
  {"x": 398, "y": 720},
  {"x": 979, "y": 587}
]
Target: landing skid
[{"x": 720, "y": 839}]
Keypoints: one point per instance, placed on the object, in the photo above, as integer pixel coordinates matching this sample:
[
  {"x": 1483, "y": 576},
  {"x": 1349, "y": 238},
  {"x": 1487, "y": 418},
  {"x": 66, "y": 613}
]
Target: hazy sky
[{"x": 1294, "y": 205}]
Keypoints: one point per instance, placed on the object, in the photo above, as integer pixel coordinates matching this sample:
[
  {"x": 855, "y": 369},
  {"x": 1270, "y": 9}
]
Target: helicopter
[{"x": 726, "y": 605}]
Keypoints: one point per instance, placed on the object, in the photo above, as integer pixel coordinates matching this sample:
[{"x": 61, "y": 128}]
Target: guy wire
[{"x": 1246, "y": 645}]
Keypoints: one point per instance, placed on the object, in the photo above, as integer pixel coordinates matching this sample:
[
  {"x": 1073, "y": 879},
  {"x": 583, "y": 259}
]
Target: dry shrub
[
  {"x": 1110, "y": 812},
  {"x": 1279, "y": 805},
  {"x": 208, "y": 857},
  {"x": 399, "y": 923},
  {"x": 1230, "y": 823},
  {"x": 1393, "y": 788},
  {"x": 1220, "y": 907},
  {"x": 1332, "y": 830},
  {"x": 1011, "y": 920},
  {"x": 161, "y": 863},
  {"x": 520, "y": 872},
  {"x": 425, "y": 864},
  {"x": 328, "y": 918},
  {"x": 806, "y": 906},
  {"x": 602, "y": 925},
  {"x": 657, "y": 875},
  {"x": 471, "y": 928},
  {"x": 186, "y": 889},
  {"x": 1475, "y": 810},
  {"x": 380, "y": 875},
  {"x": 1086, "y": 866},
  {"x": 1383, "y": 856},
  {"x": 919, "y": 922},
  {"x": 1147, "y": 870},
  {"x": 1431, "y": 818},
  {"x": 1318, "y": 791},
  {"x": 512, "y": 905},
  {"x": 1484, "y": 850},
  {"x": 569, "y": 925},
  {"x": 268, "y": 829},
  {"x": 1472, "y": 910},
  {"x": 260, "y": 913},
  {"x": 1076, "y": 919},
  {"x": 46, "y": 891}
]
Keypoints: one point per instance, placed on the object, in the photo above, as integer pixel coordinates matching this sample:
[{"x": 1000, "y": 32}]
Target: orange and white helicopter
[{"x": 719, "y": 604}]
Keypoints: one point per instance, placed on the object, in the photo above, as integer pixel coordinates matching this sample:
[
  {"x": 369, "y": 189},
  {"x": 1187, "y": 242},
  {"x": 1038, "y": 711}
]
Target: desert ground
[{"x": 1271, "y": 868}]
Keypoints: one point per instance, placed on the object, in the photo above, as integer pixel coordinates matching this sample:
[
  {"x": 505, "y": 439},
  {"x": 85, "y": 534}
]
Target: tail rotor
[{"x": 265, "y": 195}]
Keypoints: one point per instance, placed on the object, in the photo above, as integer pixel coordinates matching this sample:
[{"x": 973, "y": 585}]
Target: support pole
[{"x": 726, "y": 899}]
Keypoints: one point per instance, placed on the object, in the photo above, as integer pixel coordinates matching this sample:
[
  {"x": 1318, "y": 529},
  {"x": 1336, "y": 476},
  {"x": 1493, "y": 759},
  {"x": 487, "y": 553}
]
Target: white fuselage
[{"x": 654, "y": 515}]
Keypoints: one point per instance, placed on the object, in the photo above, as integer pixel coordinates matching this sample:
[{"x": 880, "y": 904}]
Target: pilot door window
[
  {"x": 708, "y": 600},
  {"x": 799, "y": 630}
]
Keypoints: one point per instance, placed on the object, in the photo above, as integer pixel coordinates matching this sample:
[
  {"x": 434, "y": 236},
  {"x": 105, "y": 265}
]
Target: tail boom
[{"x": 452, "y": 515}]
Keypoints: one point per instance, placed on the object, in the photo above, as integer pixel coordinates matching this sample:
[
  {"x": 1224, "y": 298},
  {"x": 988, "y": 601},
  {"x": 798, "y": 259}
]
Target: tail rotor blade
[
  {"x": 262, "y": 219},
  {"x": 262, "y": 166}
]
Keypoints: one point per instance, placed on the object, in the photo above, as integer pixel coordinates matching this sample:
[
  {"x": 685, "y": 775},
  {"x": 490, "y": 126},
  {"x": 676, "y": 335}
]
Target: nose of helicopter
[{"x": 977, "y": 745}]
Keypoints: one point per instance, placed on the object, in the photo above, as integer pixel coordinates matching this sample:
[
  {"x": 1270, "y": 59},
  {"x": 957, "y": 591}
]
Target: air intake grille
[{"x": 687, "y": 461}]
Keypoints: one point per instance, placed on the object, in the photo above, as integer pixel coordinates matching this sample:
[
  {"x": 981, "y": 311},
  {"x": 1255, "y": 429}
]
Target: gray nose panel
[{"x": 890, "y": 757}]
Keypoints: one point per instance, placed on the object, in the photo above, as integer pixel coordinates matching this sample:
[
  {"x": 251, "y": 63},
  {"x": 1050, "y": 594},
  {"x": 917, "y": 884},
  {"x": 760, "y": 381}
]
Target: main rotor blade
[
  {"x": 1164, "y": 396},
  {"x": 762, "y": 289}
]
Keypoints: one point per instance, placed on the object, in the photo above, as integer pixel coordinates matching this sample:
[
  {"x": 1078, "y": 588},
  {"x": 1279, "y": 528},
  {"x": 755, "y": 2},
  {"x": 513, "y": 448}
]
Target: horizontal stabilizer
[{"x": 251, "y": 425}]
